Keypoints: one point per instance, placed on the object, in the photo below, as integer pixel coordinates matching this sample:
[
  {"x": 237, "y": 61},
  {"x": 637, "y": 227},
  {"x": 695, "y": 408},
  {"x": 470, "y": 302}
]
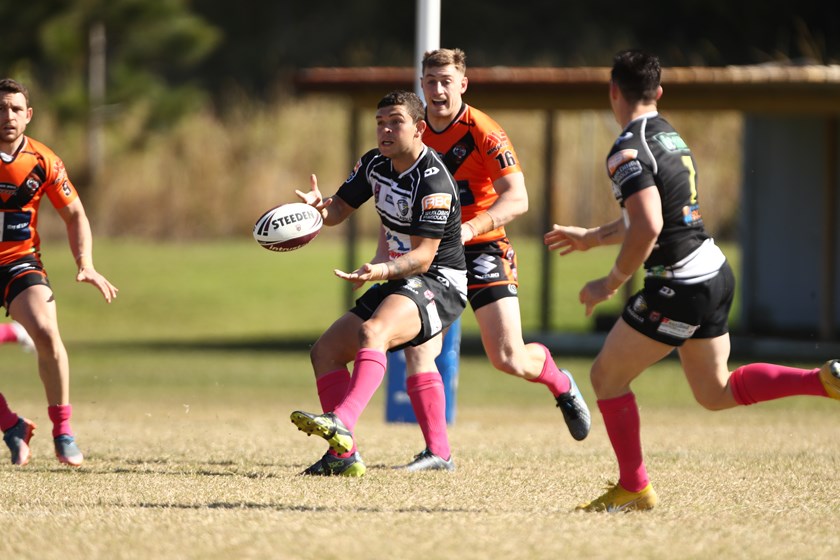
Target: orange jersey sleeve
[
  {"x": 25, "y": 177},
  {"x": 477, "y": 151}
]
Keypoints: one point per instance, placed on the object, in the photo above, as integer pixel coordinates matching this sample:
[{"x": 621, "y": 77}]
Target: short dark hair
[
  {"x": 8, "y": 85},
  {"x": 410, "y": 100},
  {"x": 637, "y": 74}
]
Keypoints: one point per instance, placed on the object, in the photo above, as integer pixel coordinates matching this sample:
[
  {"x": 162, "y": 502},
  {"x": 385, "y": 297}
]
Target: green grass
[
  {"x": 236, "y": 291},
  {"x": 181, "y": 406}
]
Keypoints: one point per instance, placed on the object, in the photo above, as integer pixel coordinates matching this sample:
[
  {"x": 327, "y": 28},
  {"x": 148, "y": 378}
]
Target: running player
[
  {"x": 688, "y": 286},
  {"x": 28, "y": 172},
  {"x": 484, "y": 163},
  {"x": 423, "y": 283}
]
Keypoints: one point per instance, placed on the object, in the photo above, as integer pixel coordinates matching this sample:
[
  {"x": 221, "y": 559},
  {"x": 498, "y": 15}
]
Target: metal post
[
  {"x": 548, "y": 221},
  {"x": 352, "y": 221},
  {"x": 428, "y": 36},
  {"x": 96, "y": 99}
]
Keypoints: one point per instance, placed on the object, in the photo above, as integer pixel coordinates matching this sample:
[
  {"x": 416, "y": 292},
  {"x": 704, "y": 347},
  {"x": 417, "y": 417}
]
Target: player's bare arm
[
  {"x": 81, "y": 245},
  {"x": 512, "y": 203},
  {"x": 416, "y": 261},
  {"x": 644, "y": 211},
  {"x": 567, "y": 239}
]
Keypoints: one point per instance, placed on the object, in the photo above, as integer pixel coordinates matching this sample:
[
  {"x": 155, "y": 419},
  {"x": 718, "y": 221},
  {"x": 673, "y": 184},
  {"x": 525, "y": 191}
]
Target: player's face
[
  {"x": 398, "y": 137},
  {"x": 443, "y": 87},
  {"x": 14, "y": 116}
]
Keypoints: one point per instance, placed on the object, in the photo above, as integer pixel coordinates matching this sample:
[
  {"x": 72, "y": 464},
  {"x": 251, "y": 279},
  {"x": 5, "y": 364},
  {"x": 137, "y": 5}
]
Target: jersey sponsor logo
[
  {"x": 671, "y": 141},
  {"x": 355, "y": 170},
  {"x": 14, "y": 226},
  {"x": 59, "y": 172},
  {"x": 431, "y": 171},
  {"x": 627, "y": 171},
  {"x": 483, "y": 265},
  {"x": 619, "y": 158},
  {"x": 691, "y": 214},
  {"x": 435, "y": 216},
  {"x": 436, "y": 208},
  {"x": 513, "y": 289},
  {"x": 439, "y": 201},
  {"x": 677, "y": 329},
  {"x": 428, "y": 294},
  {"x": 496, "y": 141}
]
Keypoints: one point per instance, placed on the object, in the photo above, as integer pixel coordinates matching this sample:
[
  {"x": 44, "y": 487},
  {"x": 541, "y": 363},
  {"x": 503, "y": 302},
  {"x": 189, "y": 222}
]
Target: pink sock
[
  {"x": 621, "y": 418},
  {"x": 368, "y": 372},
  {"x": 332, "y": 387},
  {"x": 7, "y": 333},
  {"x": 428, "y": 400},
  {"x": 60, "y": 416},
  {"x": 755, "y": 383},
  {"x": 8, "y": 419},
  {"x": 557, "y": 382}
]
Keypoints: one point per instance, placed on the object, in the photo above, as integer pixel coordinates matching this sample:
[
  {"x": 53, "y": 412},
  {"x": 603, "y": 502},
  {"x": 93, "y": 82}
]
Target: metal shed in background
[{"x": 790, "y": 237}]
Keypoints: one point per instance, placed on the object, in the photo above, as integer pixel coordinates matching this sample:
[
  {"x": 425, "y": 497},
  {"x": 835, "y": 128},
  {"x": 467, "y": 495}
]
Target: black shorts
[
  {"x": 19, "y": 275},
  {"x": 491, "y": 272},
  {"x": 672, "y": 312},
  {"x": 438, "y": 301}
]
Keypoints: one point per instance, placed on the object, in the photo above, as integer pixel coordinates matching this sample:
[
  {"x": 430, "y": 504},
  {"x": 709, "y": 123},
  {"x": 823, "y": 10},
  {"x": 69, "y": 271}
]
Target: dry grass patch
[{"x": 219, "y": 479}]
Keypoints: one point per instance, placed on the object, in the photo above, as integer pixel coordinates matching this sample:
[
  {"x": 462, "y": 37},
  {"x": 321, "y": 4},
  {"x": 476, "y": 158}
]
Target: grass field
[{"x": 182, "y": 399}]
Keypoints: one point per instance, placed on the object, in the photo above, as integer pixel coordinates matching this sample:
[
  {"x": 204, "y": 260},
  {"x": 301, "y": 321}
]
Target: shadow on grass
[
  {"x": 566, "y": 344},
  {"x": 469, "y": 345},
  {"x": 302, "y": 508}
]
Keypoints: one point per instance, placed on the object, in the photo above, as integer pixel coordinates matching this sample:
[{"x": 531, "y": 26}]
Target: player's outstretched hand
[
  {"x": 593, "y": 293},
  {"x": 313, "y": 197},
  {"x": 566, "y": 239},
  {"x": 88, "y": 274},
  {"x": 366, "y": 273}
]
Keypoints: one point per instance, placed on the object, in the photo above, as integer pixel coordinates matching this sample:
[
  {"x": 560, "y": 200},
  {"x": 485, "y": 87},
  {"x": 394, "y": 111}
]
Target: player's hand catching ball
[{"x": 314, "y": 198}]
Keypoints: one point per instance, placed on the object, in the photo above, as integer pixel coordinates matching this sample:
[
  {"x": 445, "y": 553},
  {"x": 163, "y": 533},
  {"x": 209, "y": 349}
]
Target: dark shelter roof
[{"x": 765, "y": 88}]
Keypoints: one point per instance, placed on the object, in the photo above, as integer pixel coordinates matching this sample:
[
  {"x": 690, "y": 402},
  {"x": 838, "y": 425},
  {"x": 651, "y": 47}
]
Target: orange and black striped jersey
[
  {"x": 476, "y": 151},
  {"x": 25, "y": 177}
]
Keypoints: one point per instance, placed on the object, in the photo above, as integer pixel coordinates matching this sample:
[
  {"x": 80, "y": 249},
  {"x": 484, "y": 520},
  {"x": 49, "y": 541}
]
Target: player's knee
[
  {"x": 712, "y": 402},
  {"x": 600, "y": 379},
  {"x": 371, "y": 334},
  {"x": 315, "y": 352},
  {"x": 506, "y": 362}
]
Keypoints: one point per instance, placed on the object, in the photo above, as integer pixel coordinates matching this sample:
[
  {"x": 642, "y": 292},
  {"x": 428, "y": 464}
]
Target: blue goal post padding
[{"x": 398, "y": 406}]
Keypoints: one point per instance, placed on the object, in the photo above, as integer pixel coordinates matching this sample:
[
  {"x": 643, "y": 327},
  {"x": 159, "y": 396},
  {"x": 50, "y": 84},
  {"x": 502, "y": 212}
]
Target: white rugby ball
[{"x": 288, "y": 227}]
